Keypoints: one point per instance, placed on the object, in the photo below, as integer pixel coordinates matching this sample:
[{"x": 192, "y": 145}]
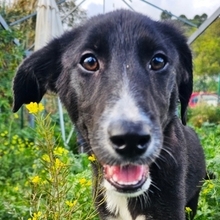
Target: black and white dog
[{"x": 120, "y": 76}]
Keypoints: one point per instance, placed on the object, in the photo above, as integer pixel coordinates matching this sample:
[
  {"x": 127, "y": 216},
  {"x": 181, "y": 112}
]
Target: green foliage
[
  {"x": 210, "y": 196},
  {"x": 188, "y": 29},
  {"x": 206, "y": 48},
  {"x": 203, "y": 113},
  {"x": 206, "y": 51},
  {"x": 10, "y": 57},
  {"x": 15, "y": 10},
  {"x": 165, "y": 15},
  {"x": 57, "y": 191},
  {"x": 41, "y": 179},
  {"x": 205, "y": 83},
  {"x": 16, "y": 155},
  {"x": 199, "y": 19},
  {"x": 18, "y": 9}
]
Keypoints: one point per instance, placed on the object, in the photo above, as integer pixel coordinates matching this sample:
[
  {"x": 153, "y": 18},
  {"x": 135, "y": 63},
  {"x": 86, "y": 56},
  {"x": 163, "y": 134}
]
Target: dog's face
[{"x": 119, "y": 76}]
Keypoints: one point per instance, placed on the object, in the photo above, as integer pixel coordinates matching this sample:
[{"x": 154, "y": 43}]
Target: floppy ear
[
  {"x": 185, "y": 91},
  {"x": 37, "y": 74},
  {"x": 185, "y": 84},
  {"x": 184, "y": 70}
]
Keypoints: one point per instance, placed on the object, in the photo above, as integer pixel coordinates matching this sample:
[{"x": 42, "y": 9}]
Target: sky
[{"x": 190, "y": 8}]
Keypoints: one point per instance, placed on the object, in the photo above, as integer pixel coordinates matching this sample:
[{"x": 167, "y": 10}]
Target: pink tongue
[{"x": 128, "y": 174}]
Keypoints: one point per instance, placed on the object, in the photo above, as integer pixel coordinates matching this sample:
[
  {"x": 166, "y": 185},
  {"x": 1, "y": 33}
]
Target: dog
[{"x": 120, "y": 76}]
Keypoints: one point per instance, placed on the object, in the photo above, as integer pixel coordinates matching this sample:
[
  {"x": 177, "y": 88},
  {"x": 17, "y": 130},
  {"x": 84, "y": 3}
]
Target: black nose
[{"x": 129, "y": 138}]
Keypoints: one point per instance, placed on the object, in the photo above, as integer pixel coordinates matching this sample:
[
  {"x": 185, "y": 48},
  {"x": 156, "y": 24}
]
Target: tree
[
  {"x": 206, "y": 50},
  {"x": 17, "y": 10},
  {"x": 10, "y": 57},
  {"x": 199, "y": 19},
  {"x": 188, "y": 29},
  {"x": 165, "y": 15},
  {"x": 21, "y": 8}
]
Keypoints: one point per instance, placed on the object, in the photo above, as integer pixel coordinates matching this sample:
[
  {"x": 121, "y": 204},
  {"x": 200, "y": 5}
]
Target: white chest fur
[{"x": 118, "y": 205}]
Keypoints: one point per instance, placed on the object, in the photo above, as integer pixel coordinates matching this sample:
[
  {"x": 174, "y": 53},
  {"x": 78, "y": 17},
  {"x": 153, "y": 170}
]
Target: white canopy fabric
[
  {"x": 49, "y": 26},
  {"x": 48, "y": 23}
]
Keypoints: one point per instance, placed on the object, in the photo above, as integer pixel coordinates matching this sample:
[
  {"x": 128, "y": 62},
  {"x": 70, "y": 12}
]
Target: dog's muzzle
[{"x": 130, "y": 140}]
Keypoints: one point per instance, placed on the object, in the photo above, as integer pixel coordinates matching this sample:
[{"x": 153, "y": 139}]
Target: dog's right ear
[{"x": 37, "y": 74}]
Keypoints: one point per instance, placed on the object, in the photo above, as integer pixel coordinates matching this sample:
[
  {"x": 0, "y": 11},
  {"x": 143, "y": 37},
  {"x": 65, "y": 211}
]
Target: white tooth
[
  {"x": 140, "y": 178},
  {"x": 114, "y": 178},
  {"x": 134, "y": 183},
  {"x": 127, "y": 183},
  {"x": 122, "y": 183}
]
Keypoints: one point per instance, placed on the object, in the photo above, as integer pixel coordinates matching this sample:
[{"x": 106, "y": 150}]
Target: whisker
[
  {"x": 155, "y": 186},
  {"x": 170, "y": 154}
]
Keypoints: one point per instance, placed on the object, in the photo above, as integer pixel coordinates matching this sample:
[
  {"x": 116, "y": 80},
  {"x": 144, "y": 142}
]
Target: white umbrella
[
  {"x": 49, "y": 26},
  {"x": 48, "y": 23}
]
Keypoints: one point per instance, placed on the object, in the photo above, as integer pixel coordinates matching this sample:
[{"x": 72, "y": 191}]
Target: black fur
[{"x": 125, "y": 40}]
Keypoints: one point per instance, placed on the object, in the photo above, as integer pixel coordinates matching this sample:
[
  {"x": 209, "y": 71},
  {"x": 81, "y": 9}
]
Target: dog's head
[{"x": 120, "y": 76}]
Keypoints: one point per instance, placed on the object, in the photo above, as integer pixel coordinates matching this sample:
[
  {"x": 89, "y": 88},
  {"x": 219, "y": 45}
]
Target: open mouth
[{"x": 126, "y": 178}]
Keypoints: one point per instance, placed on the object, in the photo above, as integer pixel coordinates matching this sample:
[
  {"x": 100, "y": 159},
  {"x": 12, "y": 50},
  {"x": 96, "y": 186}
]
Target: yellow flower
[
  {"x": 89, "y": 183},
  {"x": 205, "y": 191},
  {"x": 82, "y": 181},
  {"x": 36, "y": 180},
  {"x": 210, "y": 185},
  {"x": 16, "y": 188},
  {"x": 15, "y": 137},
  {"x": 46, "y": 158},
  {"x": 71, "y": 204},
  {"x": 14, "y": 142},
  {"x": 6, "y": 143},
  {"x": 92, "y": 158},
  {"x": 188, "y": 210},
  {"x": 59, "y": 163},
  {"x": 34, "y": 107},
  {"x": 36, "y": 216},
  {"x": 85, "y": 182},
  {"x": 16, "y": 115},
  {"x": 4, "y": 134},
  {"x": 59, "y": 151}
]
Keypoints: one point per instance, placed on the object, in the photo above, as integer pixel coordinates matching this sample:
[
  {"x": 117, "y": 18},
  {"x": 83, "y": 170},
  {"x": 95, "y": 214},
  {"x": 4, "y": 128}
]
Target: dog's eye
[
  {"x": 158, "y": 62},
  {"x": 89, "y": 62}
]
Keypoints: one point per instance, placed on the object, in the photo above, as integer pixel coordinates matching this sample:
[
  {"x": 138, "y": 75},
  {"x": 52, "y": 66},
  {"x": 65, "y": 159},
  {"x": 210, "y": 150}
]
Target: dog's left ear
[
  {"x": 185, "y": 91},
  {"x": 37, "y": 74},
  {"x": 185, "y": 78},
  {"x": 184, "y": 70}
]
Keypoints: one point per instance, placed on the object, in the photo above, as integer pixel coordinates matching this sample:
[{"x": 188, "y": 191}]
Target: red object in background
[
  {"x": 203, "y": 97},
  {"x": 193, "y": 99}
]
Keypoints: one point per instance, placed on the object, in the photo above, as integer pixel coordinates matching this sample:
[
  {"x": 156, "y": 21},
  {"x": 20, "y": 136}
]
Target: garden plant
[{"x": 42, "y": 179}]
